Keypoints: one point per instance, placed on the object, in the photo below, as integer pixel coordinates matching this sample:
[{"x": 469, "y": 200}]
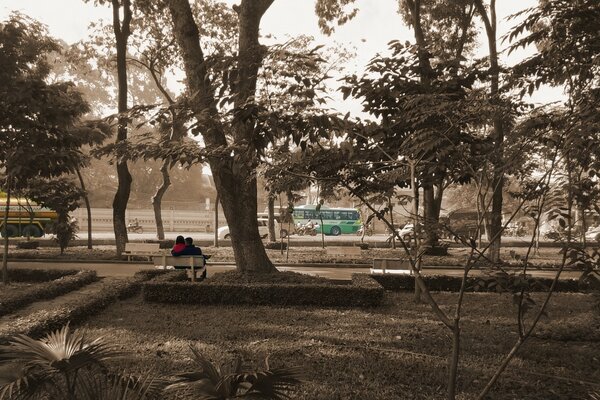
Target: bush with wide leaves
[{"x": 68, "y": 365}]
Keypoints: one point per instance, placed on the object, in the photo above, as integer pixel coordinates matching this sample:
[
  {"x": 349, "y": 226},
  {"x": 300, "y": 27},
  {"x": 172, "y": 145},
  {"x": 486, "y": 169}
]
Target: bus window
[{"x": 327, "y": 214}]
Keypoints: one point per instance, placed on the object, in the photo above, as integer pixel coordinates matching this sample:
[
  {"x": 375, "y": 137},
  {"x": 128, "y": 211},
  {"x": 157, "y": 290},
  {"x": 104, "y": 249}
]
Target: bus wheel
[
  {"x": 283, "y": 233},
  {"x": 11, "y": 230},
  {"x": 336, "y": 231},
  {"x": 32, "y": 230}
]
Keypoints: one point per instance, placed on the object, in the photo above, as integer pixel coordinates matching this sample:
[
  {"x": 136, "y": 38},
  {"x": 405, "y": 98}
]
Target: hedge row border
[
  {"x": 363, "y": 292},
  {"x": 444, "y": 283},
  {"x": 46, "y": 290},
  {"x": 41, "y": 322},
  {"x": 32, "y": 275}
]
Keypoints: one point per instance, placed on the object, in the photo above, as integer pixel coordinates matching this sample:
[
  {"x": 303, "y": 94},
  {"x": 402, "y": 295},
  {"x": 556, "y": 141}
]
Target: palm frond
[
  {"x": 275, "y": 384},
  {"x": 120, "y": 387}
]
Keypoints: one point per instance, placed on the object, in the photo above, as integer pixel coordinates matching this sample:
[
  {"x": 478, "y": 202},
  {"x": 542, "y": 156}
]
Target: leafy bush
[
  {"x": 46, "y": 290},
  {"x": 364, "y": 292},
  {"x": 65, "y": 232},
  {"x": 38, "y": 323},
  {"x": 68, "y": 365},
  {"x": 38, "y": 275},
  {"x": 237, "y": 380},
  {"x": 235, "y": 276},
  {"x": 443, "y": 283},
  {"x": 30, "y": 244},
  {"x": 276, "y": 245}
]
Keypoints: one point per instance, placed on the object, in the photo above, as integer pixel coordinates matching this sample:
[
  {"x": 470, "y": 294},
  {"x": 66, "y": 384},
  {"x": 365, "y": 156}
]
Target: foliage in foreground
[
  {"x": 68, "y": 365},
  {"x": 236, "y": 380}
]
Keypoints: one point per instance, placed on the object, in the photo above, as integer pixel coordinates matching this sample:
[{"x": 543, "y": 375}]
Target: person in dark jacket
[{"x": 190, "y": 250}]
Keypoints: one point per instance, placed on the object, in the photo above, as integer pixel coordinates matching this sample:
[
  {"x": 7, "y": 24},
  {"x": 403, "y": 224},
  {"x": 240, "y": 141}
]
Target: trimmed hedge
[
  {"x": 38, "y": 275},
  {"x": 46, "y": 290},
  {"x": 443, "y": 283},
  {"x": 41, "y": 322},
  {"x": 364, "y": 292}
]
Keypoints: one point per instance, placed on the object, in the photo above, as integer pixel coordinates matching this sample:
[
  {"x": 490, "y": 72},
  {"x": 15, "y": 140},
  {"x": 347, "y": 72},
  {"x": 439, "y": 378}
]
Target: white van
[{"x": 263, "y": 229}]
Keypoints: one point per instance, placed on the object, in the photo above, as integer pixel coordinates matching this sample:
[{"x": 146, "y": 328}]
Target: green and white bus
[{"x": 335, "y": 220}]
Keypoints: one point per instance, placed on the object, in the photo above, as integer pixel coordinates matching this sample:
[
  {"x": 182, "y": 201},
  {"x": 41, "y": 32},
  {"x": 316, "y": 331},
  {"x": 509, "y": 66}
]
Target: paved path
[{"x": 333, "y": 272}]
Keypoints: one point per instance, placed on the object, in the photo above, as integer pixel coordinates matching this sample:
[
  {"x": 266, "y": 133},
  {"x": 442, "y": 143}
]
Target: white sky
[{"x": 376, "y": 24}]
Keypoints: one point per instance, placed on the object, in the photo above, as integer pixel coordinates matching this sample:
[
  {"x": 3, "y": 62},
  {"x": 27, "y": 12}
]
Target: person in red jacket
[{"x": 179, "y": 246}]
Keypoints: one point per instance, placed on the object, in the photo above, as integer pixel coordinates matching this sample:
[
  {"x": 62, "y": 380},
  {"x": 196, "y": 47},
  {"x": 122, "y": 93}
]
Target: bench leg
[{"x": 193, "y": 270}]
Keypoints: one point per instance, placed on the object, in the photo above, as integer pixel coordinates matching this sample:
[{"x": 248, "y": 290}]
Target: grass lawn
[{"x": 397, "y": 351}]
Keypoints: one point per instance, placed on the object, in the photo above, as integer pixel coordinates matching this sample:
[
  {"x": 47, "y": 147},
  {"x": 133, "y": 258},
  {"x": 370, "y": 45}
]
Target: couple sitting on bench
[{"x": 186, "y": 247}]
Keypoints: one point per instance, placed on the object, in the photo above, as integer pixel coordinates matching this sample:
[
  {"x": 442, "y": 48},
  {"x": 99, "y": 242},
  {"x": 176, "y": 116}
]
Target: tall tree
[
  {"x": 37, "y": 139},
  {"x": 121, "y": 27},
  {"x": 488, "y": 16},
  {"x": 233, "y": 172}
]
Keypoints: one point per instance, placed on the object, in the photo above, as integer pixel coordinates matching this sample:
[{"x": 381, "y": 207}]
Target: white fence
[{"x": 173, "y": 220}]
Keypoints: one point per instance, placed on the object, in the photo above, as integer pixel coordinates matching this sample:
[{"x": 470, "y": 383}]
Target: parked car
[
  {"x": 593, "y": 234},
  {"x": 406, "y": 232},
  {"x": 263, "y": 229}
]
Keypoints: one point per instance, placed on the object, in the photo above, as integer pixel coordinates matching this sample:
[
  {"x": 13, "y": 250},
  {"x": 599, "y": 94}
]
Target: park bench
[
  {"x": 390, "y": 266},
  {"x": 193, "y": 264},
  {"x": 342, "y": 250},
  {"x": 141, "y": 249}
]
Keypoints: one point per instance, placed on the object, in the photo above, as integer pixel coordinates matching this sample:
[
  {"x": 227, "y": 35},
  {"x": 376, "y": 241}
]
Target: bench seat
[{"x": 194, "y": 264}]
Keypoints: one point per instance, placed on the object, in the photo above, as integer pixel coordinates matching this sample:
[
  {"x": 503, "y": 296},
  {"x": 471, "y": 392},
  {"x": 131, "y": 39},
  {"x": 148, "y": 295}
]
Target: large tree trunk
[
  {"x": 495, "y": 227},
  {"x": 234, "y": 175},
  {"x": 88, "y": 208},
  {"x": 121, "y": 198},
  {"x": 157, "y": 200}
]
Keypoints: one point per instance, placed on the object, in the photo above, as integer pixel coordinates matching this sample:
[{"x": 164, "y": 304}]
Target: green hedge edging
[
  {"x": 38, "y": 275},
  {"x": 364, "y": 292},
  {"x": 47, "y": 290},
  {"x": 44, "y": 321},
  {"x": 443, "y": 283}
]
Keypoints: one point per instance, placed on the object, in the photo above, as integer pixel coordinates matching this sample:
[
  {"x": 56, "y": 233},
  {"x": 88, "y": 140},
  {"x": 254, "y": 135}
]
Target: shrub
[
  {"x": 30, "y": 244},
  {"x": 443, "y": 283},
  {"x": 364, "y": 292},
  {"x": 237, "y": 277},
  {"x": 67, "y": 364},
  {"x": 38, "y": 275},
  {"x": 46, "y": 290},
  {"x": 276, "y": 245}
]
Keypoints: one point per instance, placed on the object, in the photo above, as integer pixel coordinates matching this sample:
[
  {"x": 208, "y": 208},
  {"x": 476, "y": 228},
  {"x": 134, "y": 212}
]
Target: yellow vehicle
[{"x": 26, "y": 218}]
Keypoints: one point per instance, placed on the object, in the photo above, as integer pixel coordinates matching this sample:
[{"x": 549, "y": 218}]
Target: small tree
[
  {"x": 36, "y": 118},
  {"x": 63, "y": 196}
]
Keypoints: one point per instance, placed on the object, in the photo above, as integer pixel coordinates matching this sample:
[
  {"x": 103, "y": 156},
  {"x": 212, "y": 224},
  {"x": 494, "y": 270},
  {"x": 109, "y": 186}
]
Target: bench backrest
[
  {"x": 391, "y": 263},
  {"x": 187, "y": 261},
  {"x": 142, "y": 247}
]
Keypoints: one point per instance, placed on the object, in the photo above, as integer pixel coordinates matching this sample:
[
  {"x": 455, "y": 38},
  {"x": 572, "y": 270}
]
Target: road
[{"x": 340, "y": 273}]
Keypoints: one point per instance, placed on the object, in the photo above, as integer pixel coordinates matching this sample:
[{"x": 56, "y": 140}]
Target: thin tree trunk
[
  {"x": 216, "y": 215},
  {"x": 416, "y": 241},
  {"x": 495, "y": 227},
  {"x": 88, "y": 209},
  {"x": 271, "y": 212},
  {"x": 122, "y": 32},
  {"x": 157, "y": 200},
  {"x": 5, "y": 226}
]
